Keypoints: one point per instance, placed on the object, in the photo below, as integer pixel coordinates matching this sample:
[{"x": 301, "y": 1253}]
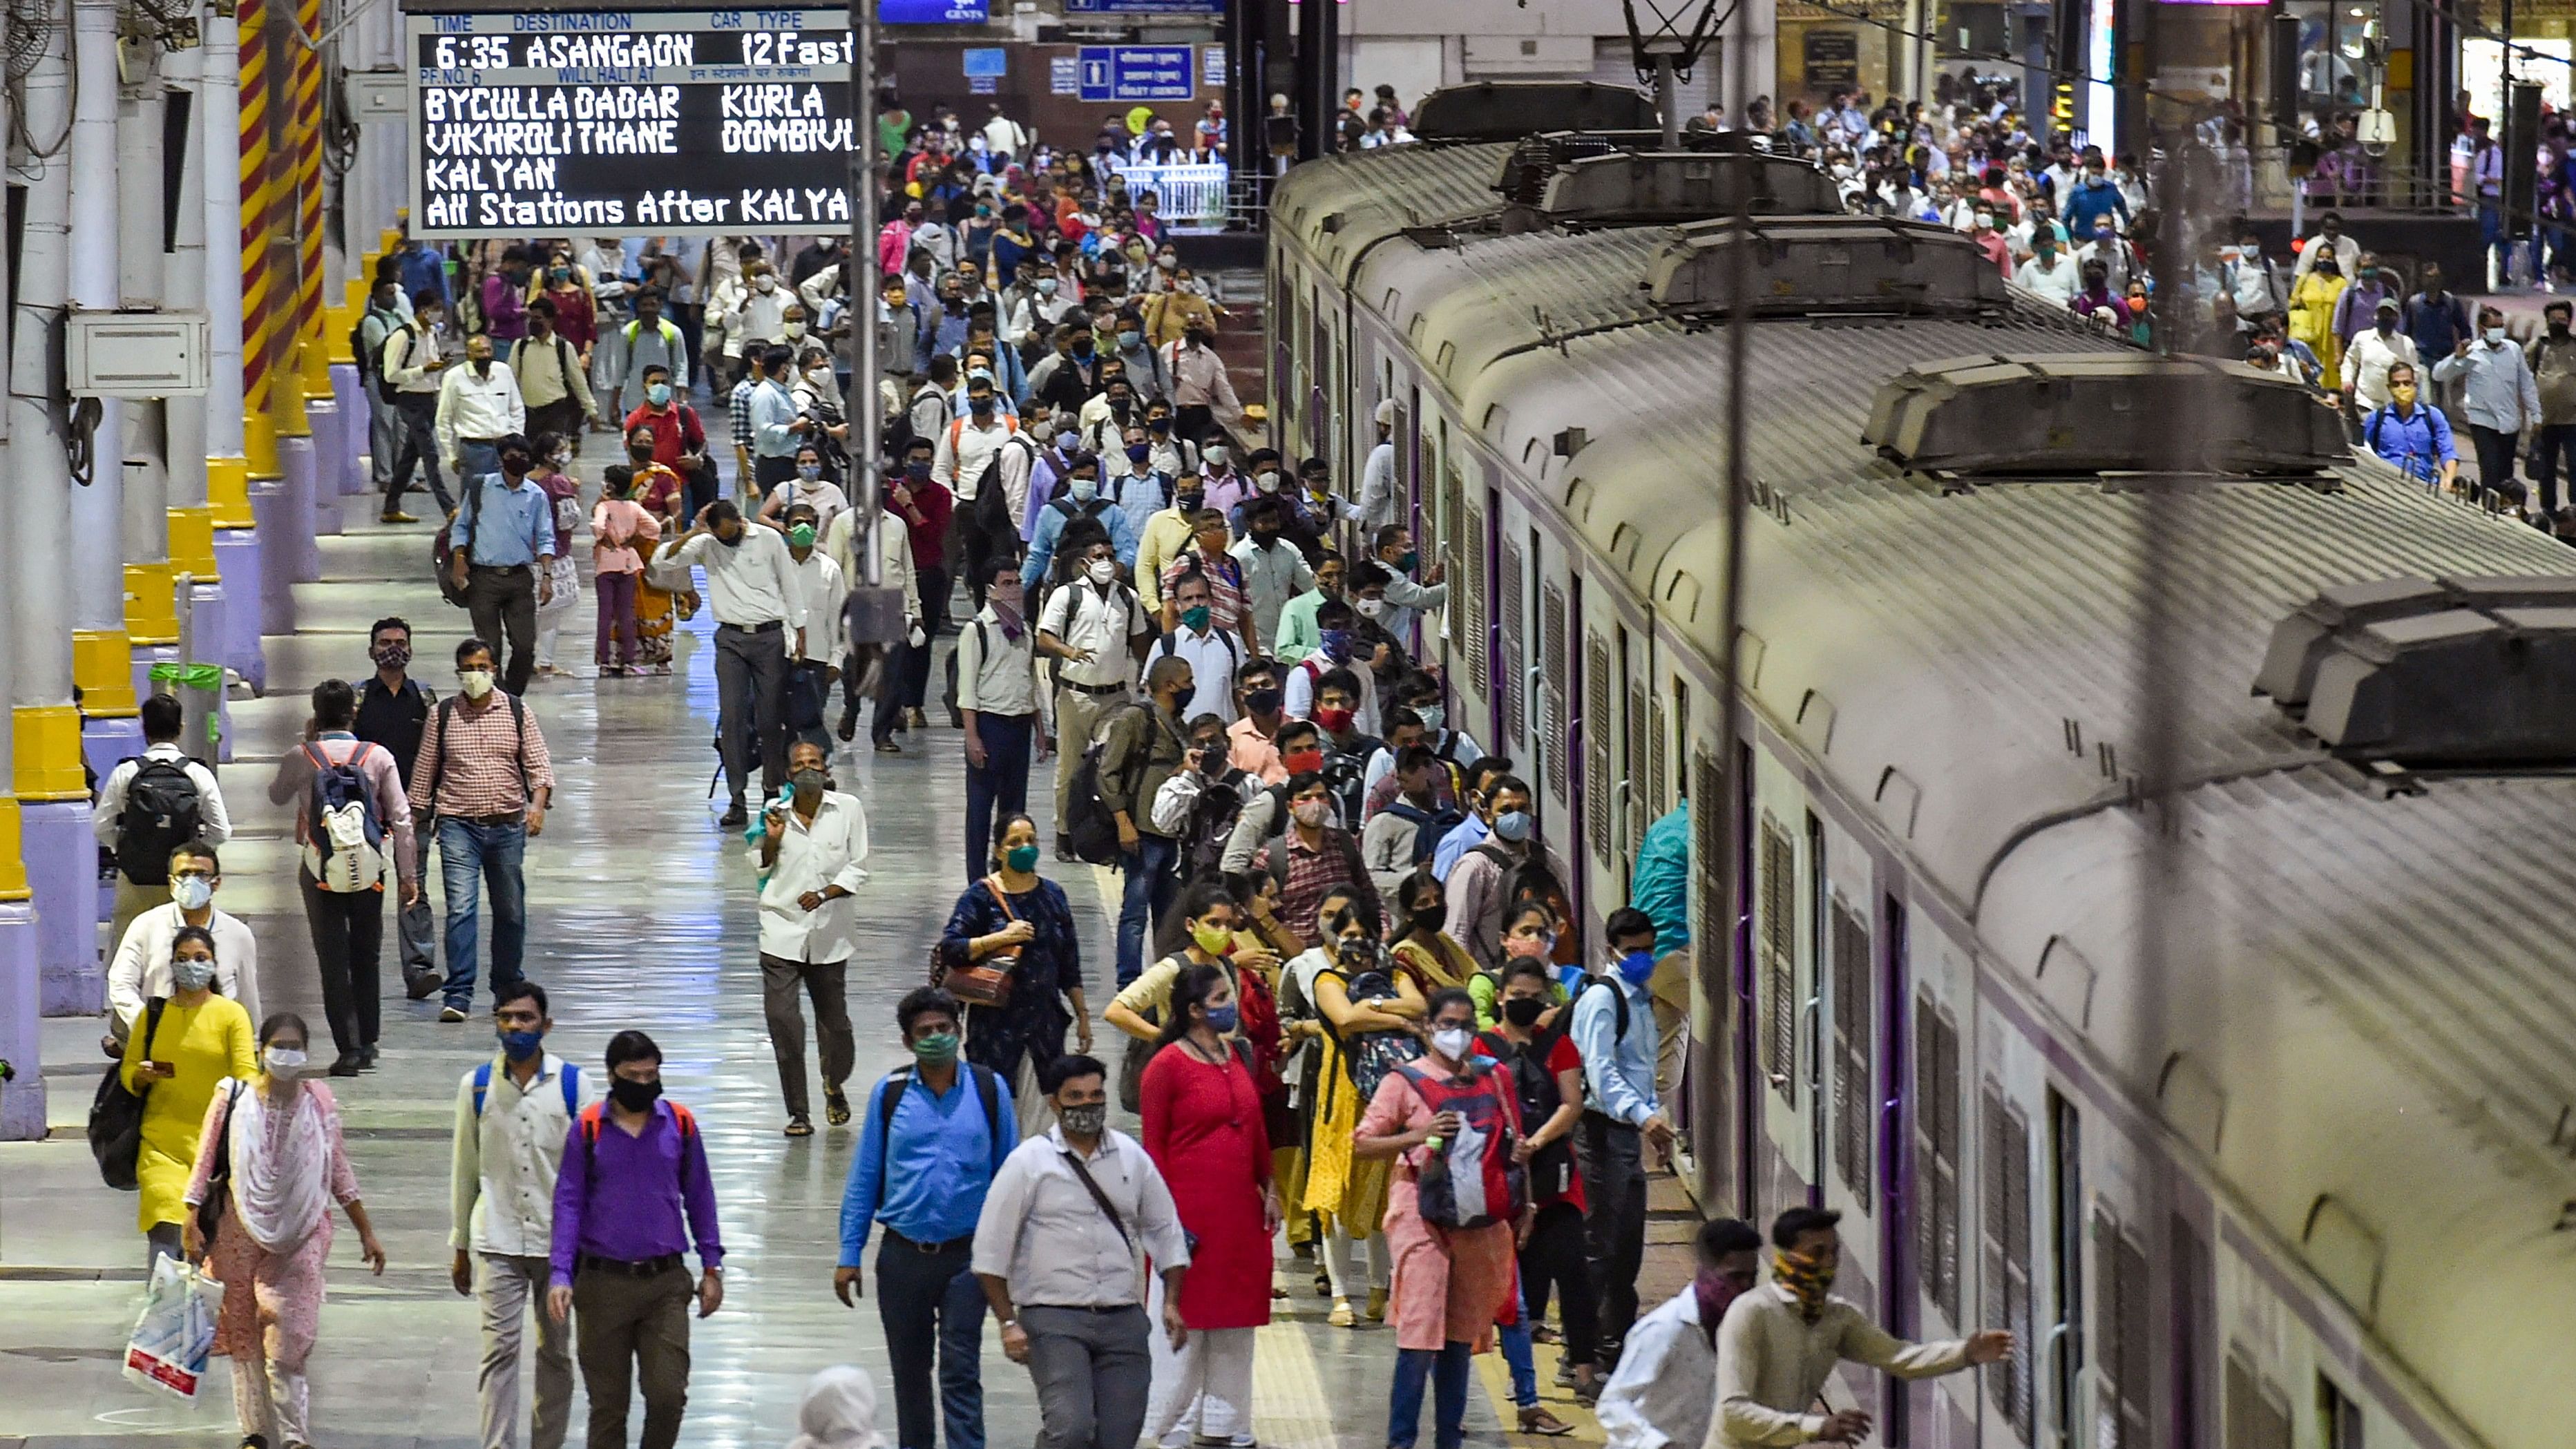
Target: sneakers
[{"x": 451, "y": 1014}]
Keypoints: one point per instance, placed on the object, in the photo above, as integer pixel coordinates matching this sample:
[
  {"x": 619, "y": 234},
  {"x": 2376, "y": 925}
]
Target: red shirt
[
  {"x": 670, "y": 442},
  {"x": 926, "y": 520},
  {"x": 1561, "y": 1058}
]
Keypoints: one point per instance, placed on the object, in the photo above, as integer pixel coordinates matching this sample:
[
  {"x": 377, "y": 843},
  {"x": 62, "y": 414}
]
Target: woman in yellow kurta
[
  {"x": 201, "y": 1040},
  {"x": 1350, "y": 1195},
  {"x": 2312, "y": 309}
]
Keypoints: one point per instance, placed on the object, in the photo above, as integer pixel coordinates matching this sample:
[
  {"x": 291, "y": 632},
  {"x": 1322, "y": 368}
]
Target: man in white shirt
[
  {"x": 1659, "y": 1398},
  {"x": 1406, "y": 600},
  {"x": 2366, "y": 360},
  {"x": 1213, "y": 653},
  {"x": 1377, "y": 505},
  {"x": 1779, "y": 1343},
  {"x": 478, "y": 406},
  {"x": 2329, "y": 238},
  {"x": 823, "y": 586},
  {"x": 140, "y": 970},
  {"x": 999, "y": 704},
  {"x": 414, "y": 365},
  {"x": 1004, "y": 138},
  {"x": 2050, "y": 275},
  {"x": 163, "y": 819},
  {"x": 760, "y": 616},
  {"x": 812, "y": 851},
  {"x": 1060, "y": 1274},
  {"x": 2247, "y": 277},
  {"x": 1096, "y": 629},
  {"x": 968, "y": 443},
  {"x": 514, "y": 1114}
]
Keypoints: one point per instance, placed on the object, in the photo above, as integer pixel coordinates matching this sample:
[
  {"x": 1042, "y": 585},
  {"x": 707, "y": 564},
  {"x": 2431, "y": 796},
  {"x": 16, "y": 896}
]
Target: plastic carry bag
[{"x": 177, "y": 1330}]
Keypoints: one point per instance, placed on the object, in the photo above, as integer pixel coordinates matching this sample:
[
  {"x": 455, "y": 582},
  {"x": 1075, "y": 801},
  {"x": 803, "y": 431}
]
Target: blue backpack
[{"x": 571, "y": 1089}]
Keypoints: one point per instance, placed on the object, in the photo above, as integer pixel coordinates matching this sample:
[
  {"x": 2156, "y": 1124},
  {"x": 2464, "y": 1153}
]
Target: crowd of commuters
[{"x": 1358, "y": 1021}]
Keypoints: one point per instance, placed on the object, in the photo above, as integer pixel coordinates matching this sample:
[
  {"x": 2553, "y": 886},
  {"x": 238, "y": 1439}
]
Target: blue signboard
[
  {"x": 934, "y": 12},
  {"x": 1137, "y": 73},
  {"x": 987, "y": 62},
  {"x": 1144, "y": 7}
]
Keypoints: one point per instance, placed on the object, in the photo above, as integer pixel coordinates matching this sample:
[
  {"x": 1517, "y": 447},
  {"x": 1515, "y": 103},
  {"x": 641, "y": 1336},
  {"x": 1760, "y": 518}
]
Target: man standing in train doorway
[{"x": 1780, "y": 1342}]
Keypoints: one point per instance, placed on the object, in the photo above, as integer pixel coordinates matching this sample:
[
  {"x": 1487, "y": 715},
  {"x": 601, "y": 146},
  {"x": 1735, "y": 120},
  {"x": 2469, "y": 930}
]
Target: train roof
[{"x": 1336, "y": 207}]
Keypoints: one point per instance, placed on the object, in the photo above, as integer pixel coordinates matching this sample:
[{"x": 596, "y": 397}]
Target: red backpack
[{"x": 1471, "y": 1181}]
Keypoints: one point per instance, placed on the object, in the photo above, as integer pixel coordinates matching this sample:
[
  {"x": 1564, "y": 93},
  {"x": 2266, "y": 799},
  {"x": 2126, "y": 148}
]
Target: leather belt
[
  {"x": 773, "y": 626},
  {"x": 648, "y": 1268},
  {"x": 1095, "y": 689},
  {"x": 952, "y": 1245}
]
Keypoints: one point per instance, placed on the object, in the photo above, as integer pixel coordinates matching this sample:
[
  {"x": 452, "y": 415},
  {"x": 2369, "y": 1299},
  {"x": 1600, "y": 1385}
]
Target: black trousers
[
  {"x": 927, "y": 1302},
  {"x": 2555, "y": 445},
  {"x": 906, "y": 682},
  {"x": 2495, "y": 455},
  {"x": 348, "y": 944},
  {"x": 563, "y": 416},
  {"x": 419, "y": 444},
  {"x": 768, "y": 473},
  {"x": 1554, "y": 1257},
  {"x": 504, "y": 601},
  {"x": 1614, "y": 1218},
  {"x": 751, "y": 705}
]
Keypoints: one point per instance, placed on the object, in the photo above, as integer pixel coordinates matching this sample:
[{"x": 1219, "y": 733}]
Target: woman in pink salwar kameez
[{"x": 279, "y": 1140}]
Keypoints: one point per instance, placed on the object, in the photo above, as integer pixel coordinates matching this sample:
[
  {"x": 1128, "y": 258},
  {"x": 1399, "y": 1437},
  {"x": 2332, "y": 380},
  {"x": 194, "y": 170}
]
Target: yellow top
[{"x": 207, "y": 1043}]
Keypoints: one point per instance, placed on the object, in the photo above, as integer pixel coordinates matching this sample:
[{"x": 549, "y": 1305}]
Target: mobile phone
[{"x": 168, "y": 1067}]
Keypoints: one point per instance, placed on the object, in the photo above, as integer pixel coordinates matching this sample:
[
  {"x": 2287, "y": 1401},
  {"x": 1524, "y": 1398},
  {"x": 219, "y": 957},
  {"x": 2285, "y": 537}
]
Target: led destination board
[{"x": 668, "y": 122}]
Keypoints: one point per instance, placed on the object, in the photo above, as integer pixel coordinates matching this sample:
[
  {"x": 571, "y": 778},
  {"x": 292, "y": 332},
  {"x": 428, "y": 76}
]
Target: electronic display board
[{"x": 598, "y": 122}]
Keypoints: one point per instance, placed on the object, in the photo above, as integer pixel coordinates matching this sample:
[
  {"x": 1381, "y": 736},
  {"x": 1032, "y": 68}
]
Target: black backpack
[
  {"x": 162, "y": 812},
  {"x": 1090, "y": 824},
  {"x": 1551, "y": 1168},
  {"x": 367, "y": 359},
  {"x": 1430, "y": 826},
  {"x": 116, "y": 1113},
  {"x": 1211, "y": 825}
]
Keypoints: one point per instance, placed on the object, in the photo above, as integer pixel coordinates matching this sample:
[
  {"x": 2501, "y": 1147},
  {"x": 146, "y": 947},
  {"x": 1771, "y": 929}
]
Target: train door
[
  {"x": 1938, "y": 1193},
  {"x": 1567, "y": 824},
  {"x": 1842, "y": 1012},
  {"x": 2122, "y": 1342},
  {"x": 1516, "y": 691},
  {"x": 1785, "y": 872},
  {"x": 2064, "y": 1360},
  {"x": 1610, "y": 775},
  {"x": 1886, "y": 1112},
  {"x": 2010, "y": 1125},
  {"x": 1552, "y": 734}
]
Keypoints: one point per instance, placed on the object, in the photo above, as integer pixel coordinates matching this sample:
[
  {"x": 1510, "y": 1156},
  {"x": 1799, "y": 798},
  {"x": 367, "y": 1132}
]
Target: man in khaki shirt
[{"x": 1780, "y": 1342}]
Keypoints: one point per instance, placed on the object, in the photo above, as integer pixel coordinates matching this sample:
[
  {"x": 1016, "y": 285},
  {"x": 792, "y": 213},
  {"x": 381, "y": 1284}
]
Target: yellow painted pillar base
[
  {"x": 103, "y": 667},
  {"x": 48, "y": 766},
  {"x": 391, "y": 237},
  {"x": 152, "y": 602},
  {"x": 317, "y": 357},
  {"x": 191, "y": 536},
  {"x": 259, "y": 442},
  {"x": 13, "y": 865},
  {"x": 227, "y": 499},
  {"x": 286, "y": 409}
]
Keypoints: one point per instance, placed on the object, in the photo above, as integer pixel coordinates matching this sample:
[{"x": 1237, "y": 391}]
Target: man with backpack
[
  {"x": 411, "y": 367},
  {"x": 1140, "y": 746},
  {"x": 935, "y": 1134},
  {"x": 1511, "y": 865},
  {"x": 150, "y": 805},
  {"x": 352, "y": 820},
  {"x": 986, "y": 461},
  {"x": 1614, "y": 1028},
  {"x": 1214, "y": 653},
  {"x": 1079, "y": 504},
  {"x": 514, "y": 1114},
  {"x": 1399, "y": 838},
  {"x": 381, "y": 320},
  {"x": 1095, "y": 628}
]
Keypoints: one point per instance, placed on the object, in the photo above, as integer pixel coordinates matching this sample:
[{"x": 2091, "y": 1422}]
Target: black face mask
[
  {"x": 1181, "y": 697},
  {"x": 634, "y": 1096},
  {"x": 1431, "y": 918},
  {"x": 1524, "y": 1011}
]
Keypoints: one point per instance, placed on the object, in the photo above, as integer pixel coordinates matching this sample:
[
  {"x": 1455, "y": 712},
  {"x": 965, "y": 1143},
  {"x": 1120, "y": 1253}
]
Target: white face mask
[
  {"x": 475, "y": 682},
  {"x": 1453, "y": 1042},
  {"x": 767, "y": 284},
  {"x": 1102, "y": 571},
  {"x": 192, "y": 892},
  {"x": 283, "y": 1062}
]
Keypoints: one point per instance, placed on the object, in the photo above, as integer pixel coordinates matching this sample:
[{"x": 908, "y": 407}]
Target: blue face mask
[
  {"x": 1636, "y": 966},
  {"x": 1083, "y": 489},
  {"x": 657, "y": 393},
  {"x": 1223, "y": 1019},
  {"x": 1512, "y": 825},
  {"x": 1336, "y": 644},
  {"x": 518, "y": 1046}
]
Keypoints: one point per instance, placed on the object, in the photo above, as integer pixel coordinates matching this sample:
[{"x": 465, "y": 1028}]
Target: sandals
[
  {"x": 836, "y": 1107},
  {"x": 1536, "y": 1419},
  {"x": 799, "y": 1127}
]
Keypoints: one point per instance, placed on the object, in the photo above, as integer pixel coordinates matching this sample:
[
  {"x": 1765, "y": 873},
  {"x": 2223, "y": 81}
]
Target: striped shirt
[
  {"x": 480, "y": 771},
  {"x": 1226, "y": 604}
]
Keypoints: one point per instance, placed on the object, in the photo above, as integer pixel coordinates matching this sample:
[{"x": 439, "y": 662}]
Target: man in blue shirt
[
  {"x": 423, "y": 270},
  {"x": 502, "y": 546},
  {"x": 1471, "y": 832},
  {"x": 925, "y": 1160},
  {"x": 1614, "y": 1029},
  {"x": 1081, "y": 500},
  {"x": 2411, "y": 435},
  {"x": 778, "y": 426}
]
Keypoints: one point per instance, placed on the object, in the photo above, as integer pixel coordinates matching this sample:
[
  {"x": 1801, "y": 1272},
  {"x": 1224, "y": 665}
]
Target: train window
[
  {"x": 2338, "y": 1417},
  {"x": 1658, "y": 781},
  {"x": 1513, "y": 603},
  {"x": 2256, "y": 1416},
  {"x": 2125, "y": 1357},
  {"x": 1936, "y": 1153},
  {"x": 1780, "y": 959},
  {"x": 2006, "y": 1235},
  {"x": 1597, "y": 734},
  {"x": 1852, "y": 1099},
  {"x": 1472, "y": 633},
  {"x": 1553, "y": 655},
  {"x": 1635, "y": 768},
  {"x": 1708, "y": 819}
]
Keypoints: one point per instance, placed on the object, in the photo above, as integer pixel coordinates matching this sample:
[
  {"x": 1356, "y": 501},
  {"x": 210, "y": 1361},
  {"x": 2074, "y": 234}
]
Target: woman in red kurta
[{"x": 1203, "y": 1128}]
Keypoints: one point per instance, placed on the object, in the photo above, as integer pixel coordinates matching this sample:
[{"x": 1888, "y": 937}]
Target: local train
[{"x": 2273, "y": 1152}]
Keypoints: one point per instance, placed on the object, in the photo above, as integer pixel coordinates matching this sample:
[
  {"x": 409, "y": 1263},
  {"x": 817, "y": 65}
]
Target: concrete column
[
  {"x": 22, "y": 990},
  {"x": 142, "y": 217},
  {"x": 46, "y": 745},
  {"x": 102, "y": 656},
  {"x": 233, "y": 545},
  {"x": 191, "y": 519}
]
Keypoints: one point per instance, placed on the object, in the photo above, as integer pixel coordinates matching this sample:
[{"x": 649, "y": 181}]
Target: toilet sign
[{"x": 1136, "y": 73}]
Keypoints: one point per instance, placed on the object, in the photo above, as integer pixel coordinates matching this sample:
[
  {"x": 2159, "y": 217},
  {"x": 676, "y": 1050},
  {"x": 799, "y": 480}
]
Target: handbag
[
  {"x": 116, "y": 1114},
  {"x": 219, "y": 1181},
  {"x": 984, "y": 982}
]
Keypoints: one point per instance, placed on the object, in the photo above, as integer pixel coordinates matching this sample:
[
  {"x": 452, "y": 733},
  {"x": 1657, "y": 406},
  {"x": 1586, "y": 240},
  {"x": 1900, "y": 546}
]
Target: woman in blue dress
[{"x": 1016, "y": 919}]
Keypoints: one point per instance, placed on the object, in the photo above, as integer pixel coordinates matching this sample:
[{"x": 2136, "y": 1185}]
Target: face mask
[
  {"x": 1636, "y": 966},
  {"x": 1432, "y": 918},
  {"x": 1223, "y": 1019},
  {"x": 634, "y": 1096},
  {"x": 191, "y": 891},
  {"x": 2495, "y": 337},
  {"x": 1189, "y": 502},
  {"x": 982, "y": 407},
  {"x": 1021, "y": 858},
  {"x": 1216, "y": 941},
  {"x": 1217, "y": 456},
  {"x": 2557, "y": 329},
  {"x": 1127, "y": 340},
  {"x": 1082, "y": 489},
  {"x": 809, "y": 471},
  {"x": 1101, "y": 571},
  {"x": 1195, "y": 619},
  {"x": 1261, "y": 701},
  {"x": 1082, "y": 346},
  {"x": 1370, "y": 608},
  {"x": 518, "y": 1046},
  {"x": 1336, "y": 721},
  {"x": 1524, "y": 1011},
  {"x": 1008, "y": 596},
  {"x": 810, "y": 782},
  {"x": 1308, "y": 812},
  {"x": 391, "y": 656},
  {"x": 1298, "y": 762},
  {"x": 483, "y": 368},
  {"x": 475, "y": 682},
  {"x": 936, "y": 1047},
  {"x": 2403, "y": 392},
  {"x": 1336, "y": 644},
  {"x": 1433, "y": 716},
  {"x": 1452, "y": 1042},
  {"x": 192, "y": 975},
  {"x": 767, "y": 284},
  {"x": 917, "y": 472},
  {"x": 657, "y": 393},
  {"x": 284, "y": 1063},
  {"x": 1805, "y": 1279},
  {"x": 1182, "y": 696},
  {"x": 1083, "y": 1121},
  {"x": 1046, "y": 286},
  {"x": 1512, "y": 825}
]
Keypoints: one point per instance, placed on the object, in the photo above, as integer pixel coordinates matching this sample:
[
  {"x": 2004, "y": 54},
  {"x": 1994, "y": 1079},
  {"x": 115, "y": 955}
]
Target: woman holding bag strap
[{"x": 1017, "y": 914}]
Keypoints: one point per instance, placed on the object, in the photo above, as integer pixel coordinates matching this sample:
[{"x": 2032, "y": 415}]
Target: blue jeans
[
  {"x": 1447, "y": 1370},
  {"x": 926, "y": 1300},
  {"x": 1149, "y": 892},
  {"x": 999, "y": 786},
  {"x": 466, "y": 850},
  {"x": 473, "y": 461}
]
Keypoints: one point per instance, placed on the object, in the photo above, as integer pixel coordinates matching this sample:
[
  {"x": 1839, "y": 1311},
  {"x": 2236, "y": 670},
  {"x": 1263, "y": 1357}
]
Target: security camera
[{"x": 2376, "y": 129}]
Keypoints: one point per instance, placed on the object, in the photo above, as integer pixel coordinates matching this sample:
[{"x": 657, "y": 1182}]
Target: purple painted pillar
[
  {"x": 62, "y": 870},
  {"x": 283, "y": 519},
  {"x": 22, "y": 1102},
  {"x": 296, "y": 458},
  {"x": 324, "y": 417},
  {"x": 236, "y": 602},
  {"x": 215, "y": 612},
  {"x": 354, "y": 420}
]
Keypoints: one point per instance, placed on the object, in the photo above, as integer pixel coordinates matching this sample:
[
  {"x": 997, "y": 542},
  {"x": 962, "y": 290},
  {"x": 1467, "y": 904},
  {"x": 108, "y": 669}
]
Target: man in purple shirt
[
  {"x": 633, "y": 1192},
  {"x": 505, "y": 302}
]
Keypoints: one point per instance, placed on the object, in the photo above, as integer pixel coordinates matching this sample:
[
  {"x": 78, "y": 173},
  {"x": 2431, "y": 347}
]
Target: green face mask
[
  {"x": 936, "y": 1047},
  {"x": 1196, "y": 619},
  {"x": 802, "y": 535},
  {"x": 1021, "y": 858}
]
